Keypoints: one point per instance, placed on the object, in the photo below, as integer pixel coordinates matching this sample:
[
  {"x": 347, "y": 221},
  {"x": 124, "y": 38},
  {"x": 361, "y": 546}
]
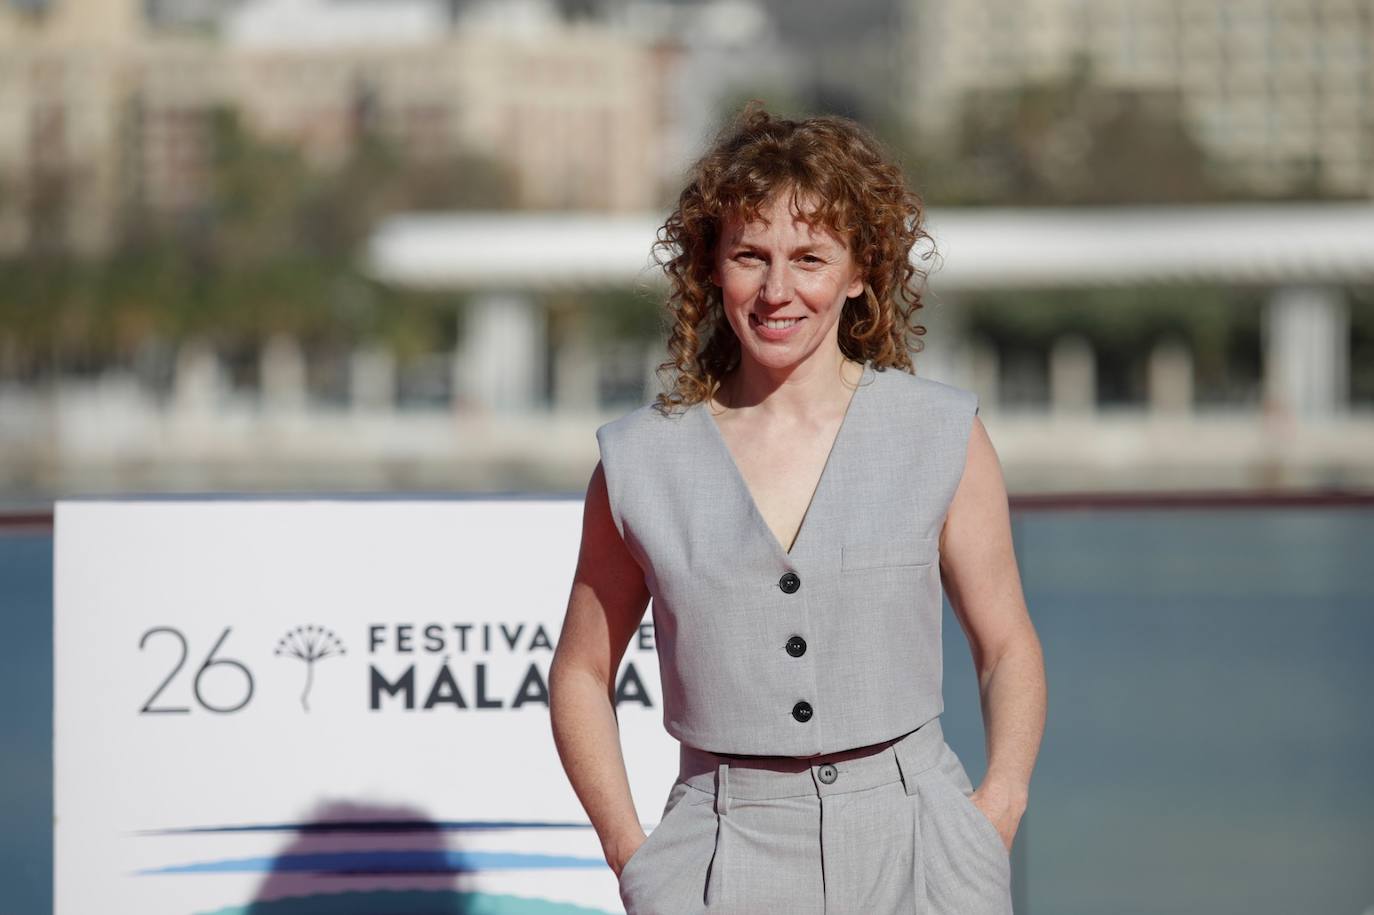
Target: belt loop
[
  {"x": 722, "y": 787},
  {"x": 905, "y": 767}
]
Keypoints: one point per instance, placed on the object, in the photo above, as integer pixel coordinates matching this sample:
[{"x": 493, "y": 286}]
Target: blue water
[
  {"x": 1209, "y": 745},
  {"x": 1209, "y": 742},
  {"x": 26, "y": 723}
]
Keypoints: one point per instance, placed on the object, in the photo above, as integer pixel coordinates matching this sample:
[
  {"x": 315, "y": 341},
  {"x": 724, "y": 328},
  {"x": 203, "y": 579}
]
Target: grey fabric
[
  {"x": 886, "y": 830},
  {"x": 869, "y": 601}
]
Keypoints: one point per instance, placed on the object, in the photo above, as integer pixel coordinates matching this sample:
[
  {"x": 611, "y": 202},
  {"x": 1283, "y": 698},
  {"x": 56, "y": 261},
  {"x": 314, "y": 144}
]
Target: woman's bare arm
[
  {"x": 604, "y": 610},
  {"x": 978, "y": 567}
]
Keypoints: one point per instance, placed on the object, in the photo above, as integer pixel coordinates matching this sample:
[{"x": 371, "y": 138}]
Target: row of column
[
  {"x": 1305, "y": 341},
  {"x": 504, "y": 364}
]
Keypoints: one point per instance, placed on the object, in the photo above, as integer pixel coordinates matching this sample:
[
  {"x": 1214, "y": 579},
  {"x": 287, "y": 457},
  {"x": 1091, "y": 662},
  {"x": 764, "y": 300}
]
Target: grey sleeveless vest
[{"x": 833, "y": 645}]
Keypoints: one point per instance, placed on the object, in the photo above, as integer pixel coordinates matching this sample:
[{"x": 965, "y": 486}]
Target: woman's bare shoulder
[
  {"x": 920, "y": 390},
  {"x": 641, "y": 423}
]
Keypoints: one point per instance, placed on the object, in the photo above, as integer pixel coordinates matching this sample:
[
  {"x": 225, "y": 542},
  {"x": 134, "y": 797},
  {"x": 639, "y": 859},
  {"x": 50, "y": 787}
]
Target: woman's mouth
[
  {"x": 774, "y": 328},
  {"x": 774, "y": 323}
]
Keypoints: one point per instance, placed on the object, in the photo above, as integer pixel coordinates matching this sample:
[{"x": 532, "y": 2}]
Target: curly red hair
[{"x": 856, "y": 191}]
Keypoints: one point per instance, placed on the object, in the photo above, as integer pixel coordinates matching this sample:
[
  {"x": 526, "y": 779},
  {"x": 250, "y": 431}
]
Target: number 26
[{"x": 209, "y": 662}]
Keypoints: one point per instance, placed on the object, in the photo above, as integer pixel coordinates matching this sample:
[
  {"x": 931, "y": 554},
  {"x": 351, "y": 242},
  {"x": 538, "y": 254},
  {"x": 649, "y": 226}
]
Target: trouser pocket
[
  {"x": 664, "y": 876},
  {"x": 965, "y": 863}
]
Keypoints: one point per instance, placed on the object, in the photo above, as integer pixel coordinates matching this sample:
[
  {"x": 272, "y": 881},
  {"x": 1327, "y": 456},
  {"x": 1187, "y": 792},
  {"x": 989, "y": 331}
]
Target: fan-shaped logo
[{"x": 309, "y": 644}]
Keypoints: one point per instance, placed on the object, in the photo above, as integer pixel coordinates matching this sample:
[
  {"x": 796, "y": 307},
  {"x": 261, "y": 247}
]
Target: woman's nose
[{"x": 777, "y": 285}]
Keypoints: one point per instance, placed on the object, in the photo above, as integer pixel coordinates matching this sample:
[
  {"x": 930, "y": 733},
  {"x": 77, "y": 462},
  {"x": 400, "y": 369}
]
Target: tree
[{"x": 1070, "y": 141}]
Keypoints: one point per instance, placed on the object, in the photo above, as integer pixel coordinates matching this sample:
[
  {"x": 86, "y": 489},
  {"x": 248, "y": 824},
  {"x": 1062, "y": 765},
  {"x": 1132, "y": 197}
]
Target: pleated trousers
[{"x": 878, "y": 830}]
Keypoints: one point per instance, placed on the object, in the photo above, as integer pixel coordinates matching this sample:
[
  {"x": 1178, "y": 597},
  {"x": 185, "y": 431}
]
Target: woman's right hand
[{"x": 622, "y": 853}]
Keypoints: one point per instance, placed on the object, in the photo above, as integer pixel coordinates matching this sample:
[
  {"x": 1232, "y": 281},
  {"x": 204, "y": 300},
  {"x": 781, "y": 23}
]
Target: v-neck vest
[{"x": 833, "y": 645}]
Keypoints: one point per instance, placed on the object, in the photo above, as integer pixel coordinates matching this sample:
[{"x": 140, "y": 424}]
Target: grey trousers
[{"x": 878, "y": 831}]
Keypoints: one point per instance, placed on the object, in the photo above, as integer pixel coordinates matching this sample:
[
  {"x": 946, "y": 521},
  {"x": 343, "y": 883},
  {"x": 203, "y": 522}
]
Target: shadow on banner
[{"x": 350, "y": 858}]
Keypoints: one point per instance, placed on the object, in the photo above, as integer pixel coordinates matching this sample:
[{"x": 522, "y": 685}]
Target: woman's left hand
[{"x": 1000, "y": 804}]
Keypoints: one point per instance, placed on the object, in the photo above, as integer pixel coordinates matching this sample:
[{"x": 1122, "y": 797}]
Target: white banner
[{"x": 275, "y": 707}]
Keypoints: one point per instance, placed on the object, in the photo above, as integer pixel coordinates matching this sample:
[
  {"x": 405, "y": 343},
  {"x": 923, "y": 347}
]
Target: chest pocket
[
  {"x": 887, "y": 643},
  {"x": 885, "y": 554}
]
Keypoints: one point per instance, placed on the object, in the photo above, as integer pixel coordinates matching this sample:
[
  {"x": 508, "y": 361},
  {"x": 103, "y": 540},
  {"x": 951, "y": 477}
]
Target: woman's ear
[{"x": 856, "y": 286}]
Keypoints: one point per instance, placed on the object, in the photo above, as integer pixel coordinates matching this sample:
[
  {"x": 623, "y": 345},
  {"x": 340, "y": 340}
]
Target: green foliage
[
  {"x": 1069, "y": 141},
  {"x": 271, "y": 249},
  {"x": 778, "y": 100},
  {"x": 626, "y": 314},
  {"x": 1219, "y": 325},
  {"x": 1361, "y": 343}
]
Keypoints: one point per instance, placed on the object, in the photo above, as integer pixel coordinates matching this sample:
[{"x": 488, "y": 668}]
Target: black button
[
  {"x": 802, "y": 711},
  {"x": 789, "y": 582},
  {"x": 796, "y": 646}
]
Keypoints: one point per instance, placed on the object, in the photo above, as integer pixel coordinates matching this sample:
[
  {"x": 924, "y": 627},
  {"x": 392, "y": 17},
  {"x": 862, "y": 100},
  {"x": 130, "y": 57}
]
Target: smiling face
[{"x": 783, "y": 284}]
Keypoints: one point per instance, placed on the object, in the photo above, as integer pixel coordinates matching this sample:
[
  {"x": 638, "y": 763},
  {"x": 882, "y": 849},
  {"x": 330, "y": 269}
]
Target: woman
[{"x": 793, "y": 508}]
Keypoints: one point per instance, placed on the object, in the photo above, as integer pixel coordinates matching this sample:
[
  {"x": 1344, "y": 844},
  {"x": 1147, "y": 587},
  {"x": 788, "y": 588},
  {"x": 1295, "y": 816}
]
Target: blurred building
[
  {"x": 709, "y": 56},
  {"x": 570, "y": 107},
  {"x": 62, "y": 86},
  {"x": 113, "y": 107},
  {"x": 1280, "y": 93},
  {"x": 103, "y": 108}
]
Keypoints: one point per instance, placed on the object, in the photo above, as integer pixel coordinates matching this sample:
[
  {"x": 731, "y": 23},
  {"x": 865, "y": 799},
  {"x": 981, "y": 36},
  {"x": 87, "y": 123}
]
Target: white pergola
[
  {"x": 1271, "y": 244},
  {"x": 1303, "y": 251}
]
